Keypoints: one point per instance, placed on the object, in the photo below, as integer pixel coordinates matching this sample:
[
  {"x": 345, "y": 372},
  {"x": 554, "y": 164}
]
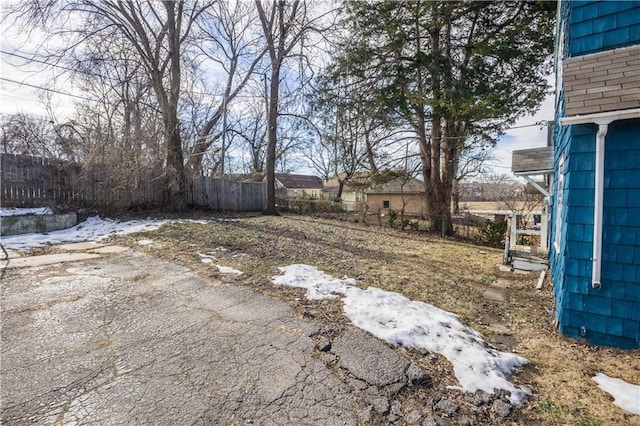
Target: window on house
[
  {"x": 559, "y": 202},
  {"x": 385, "y": 204}
]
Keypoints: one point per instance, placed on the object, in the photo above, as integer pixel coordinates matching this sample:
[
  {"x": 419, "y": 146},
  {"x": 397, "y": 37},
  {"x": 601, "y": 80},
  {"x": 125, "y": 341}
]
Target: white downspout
[
  {"x": 602, "y": 119},
  {"x": 598, "y": 206}
]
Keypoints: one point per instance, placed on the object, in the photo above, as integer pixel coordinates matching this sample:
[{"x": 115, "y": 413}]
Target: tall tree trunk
[
  {"x": 176, "y": 179},
  {"x": 440, "y": 215},
  {"x": 177, "y": 184},
  {"x": 203, "y": 142},
  {"x": 272, "y": 139},
  {"x": 449, "y": 149}
]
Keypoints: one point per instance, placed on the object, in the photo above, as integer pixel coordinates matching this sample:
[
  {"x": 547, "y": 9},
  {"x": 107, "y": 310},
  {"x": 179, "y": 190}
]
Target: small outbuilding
[
  {"x": 400, "y": 194},
  {"x": 290, "y": 185}
]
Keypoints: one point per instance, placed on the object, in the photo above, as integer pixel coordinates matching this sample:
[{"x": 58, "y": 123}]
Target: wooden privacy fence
[
  {"x": 225, "y": 195},
  {"x": 36, "y": 181}
]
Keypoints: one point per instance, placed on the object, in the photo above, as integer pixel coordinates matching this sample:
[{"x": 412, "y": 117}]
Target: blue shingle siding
[
  {"x": 609, "y": 315},
  {"x": 576, "y": 286},
  {"x": 632, "y": 291},
  {"x": 629, "y": 236},
  {"x": 629, "y": 328},
  {"x": 582, "y": 161},
  {"x": 636, "y": 312},
  {"x": 600, "y": 316},
  {"x": 634, "y": 34},
  {"x": 624, "y": 310},
  {"x": 613, "y": 234},
  {"x": 620, "y": 37},
  {"x": 603, "y": 25},
  {"x": 630, "y": 272}
]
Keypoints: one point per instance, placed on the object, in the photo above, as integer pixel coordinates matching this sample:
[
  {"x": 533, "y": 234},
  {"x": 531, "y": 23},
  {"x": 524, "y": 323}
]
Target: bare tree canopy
[
  {"x": 155, "y": 34},
  {"x": 286, "y": 26}
]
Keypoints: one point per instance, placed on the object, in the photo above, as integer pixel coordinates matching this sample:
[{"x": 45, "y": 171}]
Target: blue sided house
[{"x": 594, "y": 187}]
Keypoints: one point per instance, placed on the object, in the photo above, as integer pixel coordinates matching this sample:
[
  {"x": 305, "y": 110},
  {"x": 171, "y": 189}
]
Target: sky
[
  {"x": 387, "y": 315},
  {"x": 526, "y": 133}
]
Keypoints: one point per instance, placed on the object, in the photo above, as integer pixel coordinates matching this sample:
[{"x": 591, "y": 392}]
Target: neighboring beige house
[
  {"x": 298, "y": 186},
  {"x": 397, "y": 194},
  {"x": 353, "y": 192}
]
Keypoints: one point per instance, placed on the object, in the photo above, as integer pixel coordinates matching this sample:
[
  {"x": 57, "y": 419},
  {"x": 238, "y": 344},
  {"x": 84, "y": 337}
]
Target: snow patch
[
  {"x": 228, "y": 270},
  {"x": 19, "y": 211},
  {"x": 145, "y": 242},
  {"x": 93, "y": 229},
  {"x": 318, "y": 284},
  {"x": 625, "y": 395},
  {"x": 407, "y": 323},
  {"x": 208, "y": 259}
]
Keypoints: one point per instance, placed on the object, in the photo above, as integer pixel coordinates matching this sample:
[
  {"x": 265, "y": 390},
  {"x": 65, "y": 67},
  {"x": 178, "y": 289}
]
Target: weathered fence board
[
  {"x": 225, "y": 195},
  {"x": 34, "y": 181}
]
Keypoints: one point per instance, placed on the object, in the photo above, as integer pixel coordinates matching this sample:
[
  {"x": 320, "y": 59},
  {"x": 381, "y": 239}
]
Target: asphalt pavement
[{"x": 126, "y": 338}]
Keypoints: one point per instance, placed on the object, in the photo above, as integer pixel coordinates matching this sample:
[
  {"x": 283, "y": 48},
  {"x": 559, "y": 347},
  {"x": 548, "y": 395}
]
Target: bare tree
[
  {"x": 27, "y": 134},
  {"x": 250, "y": 130},
  {"x": 285, "y": 26},
  {"x": 156, "y": 34},
  {"x": 471, "y": 163},
  {"x": 227, "y": 39}
]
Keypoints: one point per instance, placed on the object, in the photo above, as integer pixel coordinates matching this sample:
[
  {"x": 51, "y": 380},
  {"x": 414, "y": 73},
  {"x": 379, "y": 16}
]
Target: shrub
[
  {"x": 493, "y": 232},
  {"x": 393, "y": 216}
]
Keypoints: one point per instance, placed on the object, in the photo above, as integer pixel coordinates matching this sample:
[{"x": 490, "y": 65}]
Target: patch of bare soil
[{"x": 444, "y": 273}]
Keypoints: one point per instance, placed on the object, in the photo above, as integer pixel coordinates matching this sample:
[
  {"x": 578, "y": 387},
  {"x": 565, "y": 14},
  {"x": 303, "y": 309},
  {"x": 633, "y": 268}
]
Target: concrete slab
[
  {"x": 494, "y": 293},
  {"x": 110, "y": 250},
  {"x": 83, "y": 246},
  {"x": 504, "y": 268},
  {"x": 527, "y": 265},
  {"x": 48, "y": 259},
  {"x": 502, "y": 283},
  {"x": 379, "y": 365}
]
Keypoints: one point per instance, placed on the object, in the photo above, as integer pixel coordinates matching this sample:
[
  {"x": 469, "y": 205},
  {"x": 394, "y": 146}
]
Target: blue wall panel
[
  {"x": 636, "y": 311},
  {"x": 630, "y": 328},
  {"x": 609, "y": 315},
  {"x": 623, "y": 309},
  {"x": 632, "y": 292},
  {"x": 601, "y": 25}
]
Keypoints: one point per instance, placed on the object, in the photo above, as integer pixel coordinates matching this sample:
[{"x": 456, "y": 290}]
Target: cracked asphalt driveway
[{"x": 128, "y": 338}]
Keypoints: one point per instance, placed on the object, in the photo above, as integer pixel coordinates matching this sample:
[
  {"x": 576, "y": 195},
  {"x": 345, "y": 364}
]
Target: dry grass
[{"x": 445, "y": 273}]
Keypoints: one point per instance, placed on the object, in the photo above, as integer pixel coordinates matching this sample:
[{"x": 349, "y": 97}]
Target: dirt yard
[{"x": 445, "y": 273}]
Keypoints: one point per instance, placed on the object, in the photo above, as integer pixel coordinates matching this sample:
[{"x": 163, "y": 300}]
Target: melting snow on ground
[
  {"x": 228, "y": 270},
  {"x": 404, "y": 322},
  {"x": 625, "y": 395},
  {"x": 208, "y": 259},
  {"x": 18, "y": 211},
  {"x": 93, "y": 229}
]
